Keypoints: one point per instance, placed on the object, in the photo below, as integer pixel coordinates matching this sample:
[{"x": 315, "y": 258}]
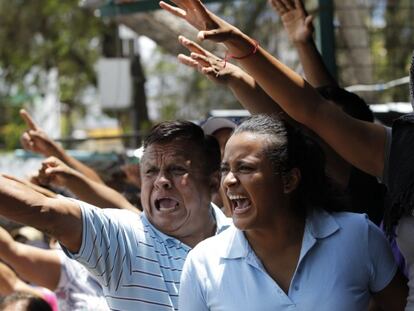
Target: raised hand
[
  {"x": 213, "y": 67},
  {"x": 196, "y": 14},
  {"x": 296, "y": 20},
  {"x": 34, "y": 139},
  {"x": 55, "y": 172}
]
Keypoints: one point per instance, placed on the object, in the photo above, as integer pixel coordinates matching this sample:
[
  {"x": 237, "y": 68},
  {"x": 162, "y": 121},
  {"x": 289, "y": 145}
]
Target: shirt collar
[
  {"x": 319, "y": 225},
  {"x": 222, "y": 221}
]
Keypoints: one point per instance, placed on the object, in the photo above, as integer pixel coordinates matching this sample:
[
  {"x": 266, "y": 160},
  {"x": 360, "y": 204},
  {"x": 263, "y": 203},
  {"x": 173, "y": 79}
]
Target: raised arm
[
  {"x": 59, "y": 217},
  {"x": 11, "y": 283},
  {"x": 242, "y": 85},
  {"x": 299, "y": 27},
  {"x": 57, "y": 173},
  {"x": 36, "y": 140},
  {"x": 38, "y": 266},
  {"x": 360, "y": 143}
]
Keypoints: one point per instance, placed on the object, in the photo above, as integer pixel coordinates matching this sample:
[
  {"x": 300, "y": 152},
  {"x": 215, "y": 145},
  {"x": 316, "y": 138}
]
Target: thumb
[
  {"x": 309, "y": 22},
  {"x": 53, "y": 170},
  {"x": 217, "y": 35}
]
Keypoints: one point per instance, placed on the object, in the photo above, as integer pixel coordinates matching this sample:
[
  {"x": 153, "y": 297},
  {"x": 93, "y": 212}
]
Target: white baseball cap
[{"x": 215, "y": 123}]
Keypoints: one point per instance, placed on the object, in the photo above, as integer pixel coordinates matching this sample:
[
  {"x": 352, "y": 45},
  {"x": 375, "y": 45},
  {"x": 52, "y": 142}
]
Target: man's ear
[
  {"x": 291, "y": 180},
  {"x": 214, "y": 181}
]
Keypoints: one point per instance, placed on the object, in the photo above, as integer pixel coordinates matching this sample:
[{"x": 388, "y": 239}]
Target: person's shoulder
[
  {"x": 123, "y": 214},
  {"x": 349, "y": 219},
  {"x": 353, "y": 224},
  {"x": 214, "y": 247},
  {"x": 111, "y": 217}
]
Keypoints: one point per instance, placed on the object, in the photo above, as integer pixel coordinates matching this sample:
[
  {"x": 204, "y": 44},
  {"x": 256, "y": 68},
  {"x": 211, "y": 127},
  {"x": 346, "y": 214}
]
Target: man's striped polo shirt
[{"x": 138, "y": 266}]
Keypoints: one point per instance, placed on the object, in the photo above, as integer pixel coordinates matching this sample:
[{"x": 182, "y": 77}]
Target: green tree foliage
[
  {"x": 184, "y": 93},
  {"x": 397, "y": 44},
  {"x": 36, "y": 36}
]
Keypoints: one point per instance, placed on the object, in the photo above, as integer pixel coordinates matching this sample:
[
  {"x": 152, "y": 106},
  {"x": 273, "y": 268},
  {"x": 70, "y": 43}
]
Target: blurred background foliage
[{"x": 374, "y": 41}]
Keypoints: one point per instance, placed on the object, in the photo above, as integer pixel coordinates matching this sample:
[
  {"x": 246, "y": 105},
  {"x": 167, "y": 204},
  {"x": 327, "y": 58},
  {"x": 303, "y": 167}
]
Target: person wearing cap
[{"x": 221, "y": 129}]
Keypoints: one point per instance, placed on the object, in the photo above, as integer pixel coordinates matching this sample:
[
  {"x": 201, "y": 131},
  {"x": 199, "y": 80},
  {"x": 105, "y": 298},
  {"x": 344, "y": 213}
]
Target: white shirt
[
  {"x": 77, "y": 289},
  {"x": 344, "y": 257}
]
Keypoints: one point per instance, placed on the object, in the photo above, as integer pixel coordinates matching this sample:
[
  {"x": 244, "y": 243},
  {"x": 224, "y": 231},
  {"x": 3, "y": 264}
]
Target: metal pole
[{"x": 326, "y": 35}]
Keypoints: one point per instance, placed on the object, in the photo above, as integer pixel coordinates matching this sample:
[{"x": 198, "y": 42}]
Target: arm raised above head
[
  {"x": 299, "y": 27},
  {"x": 36, "y": 140},
  {"x": 220, "y": 71},
  {"x": 55, "y": 172},
  {"x": 58, "y": 217},
  {"x": 360, "y": 143}
]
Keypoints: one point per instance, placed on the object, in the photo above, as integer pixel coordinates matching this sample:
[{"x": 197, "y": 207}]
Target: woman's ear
[{"x": 291, "y": 180}]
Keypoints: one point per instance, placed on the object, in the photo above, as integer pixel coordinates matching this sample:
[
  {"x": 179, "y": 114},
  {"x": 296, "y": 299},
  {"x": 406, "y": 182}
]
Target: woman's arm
[{"x": 360, "y": 143}]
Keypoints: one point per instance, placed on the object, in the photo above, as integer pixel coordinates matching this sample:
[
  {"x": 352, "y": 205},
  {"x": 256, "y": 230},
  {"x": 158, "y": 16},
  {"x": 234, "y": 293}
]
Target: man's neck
[{"x": 208, "y": 230}]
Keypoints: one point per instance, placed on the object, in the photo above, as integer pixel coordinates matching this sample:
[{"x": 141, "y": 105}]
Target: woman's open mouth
[{"x": 240, "y": 204}]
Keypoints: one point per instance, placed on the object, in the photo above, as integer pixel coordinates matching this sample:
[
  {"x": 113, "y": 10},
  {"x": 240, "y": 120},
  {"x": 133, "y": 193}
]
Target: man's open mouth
[{"x": 166, "y": 204}]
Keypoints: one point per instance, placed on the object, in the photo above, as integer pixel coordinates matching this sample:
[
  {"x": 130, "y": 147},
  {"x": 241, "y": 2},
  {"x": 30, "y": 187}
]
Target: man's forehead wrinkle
[{"x": 168, "y": 153}]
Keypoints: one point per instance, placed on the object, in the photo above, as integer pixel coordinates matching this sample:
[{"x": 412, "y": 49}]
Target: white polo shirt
[
  {"x": 344, "y": 257},
  {"x": 138, "y": 266}
]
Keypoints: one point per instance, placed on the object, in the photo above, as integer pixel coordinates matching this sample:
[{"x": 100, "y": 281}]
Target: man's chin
[{"x": 167, "y": 225}]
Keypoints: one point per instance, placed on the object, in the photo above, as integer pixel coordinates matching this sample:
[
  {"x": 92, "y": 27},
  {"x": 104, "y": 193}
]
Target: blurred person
[
  {"x": 30, "y": 236},
  {"x": 373, "y": 148},
  {"x": 74, "y": 287},
  {"x": 137, "y": 258},
  {"x": 24, "y": 302},
  {"x": 11, "y": 284},
  {"x": 220, "y": 129},
  {"x": 34, "y": 139},
  {"x": 287, "y": 244}
]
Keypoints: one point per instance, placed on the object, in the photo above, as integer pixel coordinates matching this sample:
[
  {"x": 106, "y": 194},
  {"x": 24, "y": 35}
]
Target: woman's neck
[
  {"x": 281, "y": 234},
  {"x": 278, "y": 248}
]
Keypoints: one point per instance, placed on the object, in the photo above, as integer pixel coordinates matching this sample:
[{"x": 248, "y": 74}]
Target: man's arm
[
  {"x": 360, "y": 143},
  {"x": 57, "y": 173},
  {"x": 38, "y": 266},
  {"x": 299, "y": 27},
  {"x": 58, "y": 217},
  {"x": 36, "y": 140}
]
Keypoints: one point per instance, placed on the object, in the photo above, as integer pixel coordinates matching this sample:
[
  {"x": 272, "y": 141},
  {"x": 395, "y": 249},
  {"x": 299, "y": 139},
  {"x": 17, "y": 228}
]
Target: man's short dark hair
[
  {"x": 186, "y": 131},
  {"x": 350, "y": 103}
]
